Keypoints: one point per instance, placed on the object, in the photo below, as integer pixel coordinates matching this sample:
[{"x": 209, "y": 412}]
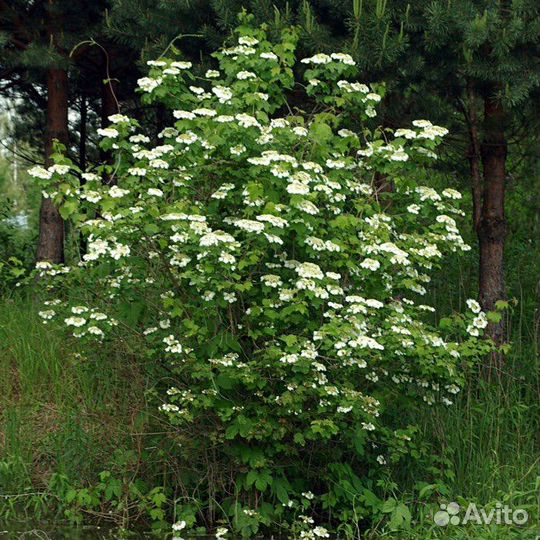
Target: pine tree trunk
[
  {"x": 491, "y": 227},
  {"x": 83, "y": 133},
  {"x": 51, "y": 226},
  {"x": 474, "y": 152},
  {"x": 109, "y": 106}
]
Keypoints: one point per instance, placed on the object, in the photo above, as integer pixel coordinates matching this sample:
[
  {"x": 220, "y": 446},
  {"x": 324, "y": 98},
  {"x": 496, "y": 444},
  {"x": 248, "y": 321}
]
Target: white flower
[
  {"x": 221, "y": 532},
  {"x": 452, "y": 193},
  {"x": 211, "y": 74},
  {"x": 148, "y": 84},
  {"x": 119, "y": 251},
  {"x": 223, "y": 93},
  {"x": 91, "y": 196},
  {"x": 245, "y": 120},
  {"x": 181, "y": 65},
  {"x": 399, "y": 155},
  {"x": 309, "y": 270},
  {"x": 238, "y": 150},
  {"x": 221, "y": 193},
  {"x": 116, "y": 193},
  {"x": 159, "y": 164},
  {"x": 300, "y": 131},
  {"x": 173, "y": 217},
  {"x": 59, "y": 169},
  {"x": 422, "y": 123},
  {"x": 248, "y": 40},
  {"x": 344, "y": 410},
  {"x": 373, "y": 97},
  {"x": 244, "y": 75},
  {"x": 273, "y": 239},
  {"x": 269, "y": 56},
  {"x": 406, "y": 133},
  {"x": 118, "y": 118},
  {"x": 321, "y": 532},
  {"x": 214, "y": 238},
  {"x": 346, "y": 59},
  {"x": 473, "y": 305},
  {"x": 75, "y": 321},
  {"x": 187, "y": 138},
  {"x": 96, "y": 248},
  {"x": 350, "y": 87},
  {"x": 307, "y": 206},
  {"x": 227, "y": 258},
  {"x": 276, "y": 221},
  {"x": 366, "y": 342},
  {"x": 296, "y": 188},
  {"x": 179, "y": 525},
  {"x": 40, "y": 172},
  {"x": 139, "y": 139},
  {"x": 110, "y": 133},
  {"x": 335, "y": 163},
  {"x": 320, "y": 58},
  {"x": 95, "y": 331},
  {"x": 204, "y": 112},
  {"x": 183, "y": 115},
  {"x": 224, "y": 118},
  {"x": 271, "y": 280},
  {"x": 381, "y": 460},
  {"x": 137, "y": 171},
  {"x": 249, "y": 225},
  {"x": 370, "y": 264},
  {"x": 371, "y": 112},
  {"x": 155, "y": 192}
]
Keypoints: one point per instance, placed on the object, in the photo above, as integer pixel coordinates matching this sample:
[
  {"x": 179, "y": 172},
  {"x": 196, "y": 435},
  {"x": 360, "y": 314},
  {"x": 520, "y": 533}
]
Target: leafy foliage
[{"x": 252, "y": 251}]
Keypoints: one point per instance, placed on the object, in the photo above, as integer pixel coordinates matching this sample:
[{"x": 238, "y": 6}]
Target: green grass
[
  {"x": 65, "y": 412},
  {"x": 60, "y": 411}
]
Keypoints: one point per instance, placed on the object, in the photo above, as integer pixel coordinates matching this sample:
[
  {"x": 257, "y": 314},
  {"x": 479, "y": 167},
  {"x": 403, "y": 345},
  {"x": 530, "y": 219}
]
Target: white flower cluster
[{"x": 276, "y": 282}]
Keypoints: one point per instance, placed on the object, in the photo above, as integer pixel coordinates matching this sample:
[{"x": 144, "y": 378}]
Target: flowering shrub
[{"x": 279, "y": 287}]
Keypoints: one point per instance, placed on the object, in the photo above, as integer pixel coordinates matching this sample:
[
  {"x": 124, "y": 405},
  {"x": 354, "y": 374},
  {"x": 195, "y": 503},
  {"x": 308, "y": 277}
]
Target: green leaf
[
  {"x": 264, "y": 479},
  {"x": 113, "y": 489},
  {"x": 280, "y": 487},
  {"x": 320, "y": 132},
  {"x": 494, "y": 316}
]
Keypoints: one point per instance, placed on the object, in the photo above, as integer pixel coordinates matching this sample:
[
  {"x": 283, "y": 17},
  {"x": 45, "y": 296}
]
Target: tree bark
[
  {"x": 109, "y": 103},
  {"x": 83, "y": 132},
  {"x": 474, "y": 153},
  {"x": 492, "y": 225},
  {"x": 109, "y": 106},
  {"x": 51, "y": 226}
]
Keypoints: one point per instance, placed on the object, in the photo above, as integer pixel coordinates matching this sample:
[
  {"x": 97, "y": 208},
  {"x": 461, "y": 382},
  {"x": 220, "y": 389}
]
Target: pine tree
[
  {"x": 477, "y": 58},
  {"x": 57, "y": 56},
  {"x": 489, "y": 53}
]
